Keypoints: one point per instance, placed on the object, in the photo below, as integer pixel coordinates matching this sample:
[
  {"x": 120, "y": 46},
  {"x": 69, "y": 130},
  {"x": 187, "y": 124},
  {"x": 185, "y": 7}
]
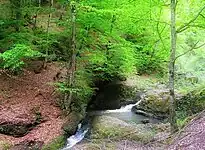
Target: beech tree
[
  {"x": 173, "y": 58},
  {"x": 173, "y": 121},
  {"x": 71, "y": 66}
]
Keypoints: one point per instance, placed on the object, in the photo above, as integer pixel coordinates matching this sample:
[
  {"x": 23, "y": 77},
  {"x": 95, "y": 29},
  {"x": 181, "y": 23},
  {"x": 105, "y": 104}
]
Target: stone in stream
[
  {"x": 154, "y": 104},
  {"x": 106, "y": 127},
  {"x": 145, "y": 121}
]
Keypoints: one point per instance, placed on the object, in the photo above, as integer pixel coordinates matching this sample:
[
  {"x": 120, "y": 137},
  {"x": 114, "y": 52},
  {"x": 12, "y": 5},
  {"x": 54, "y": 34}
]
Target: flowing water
[
  {"x": 77, "y": 137},
  {"x": 124, "y": 113}
]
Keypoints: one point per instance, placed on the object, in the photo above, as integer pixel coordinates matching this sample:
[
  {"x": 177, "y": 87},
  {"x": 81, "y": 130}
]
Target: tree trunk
[
  {"x": 72, "y": 65},
  {"x": 47, "y": 31},
  {"x": 39, "y": 3},
  {"x": 36, "y": 15},
  {"x": 16, "y": 7},
  {"x": 172, "y": 68}
]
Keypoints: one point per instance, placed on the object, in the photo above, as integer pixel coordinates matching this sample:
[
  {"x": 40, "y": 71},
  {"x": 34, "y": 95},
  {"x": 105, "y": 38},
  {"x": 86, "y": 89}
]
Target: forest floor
[
  {"x": 27, "y": 95},
  {"x": 192, "y": 136}
]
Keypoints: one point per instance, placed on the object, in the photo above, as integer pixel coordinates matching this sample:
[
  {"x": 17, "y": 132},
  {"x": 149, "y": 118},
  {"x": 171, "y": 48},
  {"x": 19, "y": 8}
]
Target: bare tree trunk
[
  {"x": 72, "y": 65},
  {"x": 39, "y": 3},
  {"x": 36, "y": 15},
  {"x": 47, "y": 31},
  {"x": 172, "y": 68}
]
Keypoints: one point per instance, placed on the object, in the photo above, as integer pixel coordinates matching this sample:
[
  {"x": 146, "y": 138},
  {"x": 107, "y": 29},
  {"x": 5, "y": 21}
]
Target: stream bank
[{"x": 108, "y": 121}]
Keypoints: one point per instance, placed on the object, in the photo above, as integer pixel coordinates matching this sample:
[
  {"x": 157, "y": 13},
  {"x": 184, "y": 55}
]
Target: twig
[{"x": 191, "y": 49}]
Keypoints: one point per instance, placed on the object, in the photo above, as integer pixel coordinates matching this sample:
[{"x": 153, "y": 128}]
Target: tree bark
[
  {"x": 47, "y": 30},
  {"x": 36, "y": 15},
  {"x": 173, "y": 121}
]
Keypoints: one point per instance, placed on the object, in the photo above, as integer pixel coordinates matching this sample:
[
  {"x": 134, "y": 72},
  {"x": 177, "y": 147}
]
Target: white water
[
  {"x": 126, "y": 108},
  {"x": 81, "y": 131},
  {"x": 76, "y": 138}
]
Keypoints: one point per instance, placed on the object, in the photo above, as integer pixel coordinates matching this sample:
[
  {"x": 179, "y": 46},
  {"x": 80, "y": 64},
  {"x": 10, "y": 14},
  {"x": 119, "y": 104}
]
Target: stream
[{"x": 124, "y": 113}]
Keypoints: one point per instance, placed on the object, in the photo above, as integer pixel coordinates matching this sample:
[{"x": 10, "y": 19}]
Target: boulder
[
  {"x": 70, "y": 126},
  {"x": 105, "y": 127},
  {"x": 155, "y": 102}
]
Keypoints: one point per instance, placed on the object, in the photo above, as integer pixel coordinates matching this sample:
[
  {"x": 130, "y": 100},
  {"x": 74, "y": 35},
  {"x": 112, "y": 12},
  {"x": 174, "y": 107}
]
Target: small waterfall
[
  {"x": 83, "y": 128},
  {"x": 126, "y": 108},
  {"x": 77, "y": 137}
]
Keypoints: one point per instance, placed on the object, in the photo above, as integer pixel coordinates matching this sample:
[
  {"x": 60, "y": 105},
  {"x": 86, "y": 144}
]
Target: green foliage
[
  {"x": 82, "y": 89},
  {"x": 191, "y": 103},
  {"x": 57, "y": 143},
  {"x": 13, "y": 59},
  {"x": 181, "y": 122}
]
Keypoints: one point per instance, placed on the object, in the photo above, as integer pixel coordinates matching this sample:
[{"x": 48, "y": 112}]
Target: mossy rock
[
  {"x": 105, "y": 127},
  {"x": 155, "y": 102},
  {"x": 71, "y": 124}
]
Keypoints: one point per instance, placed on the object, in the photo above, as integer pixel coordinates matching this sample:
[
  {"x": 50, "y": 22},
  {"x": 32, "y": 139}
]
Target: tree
[
  {"x": 173, "y": 58},
  {"x": 47, "y": 30},
  {"x": 173, "y": 120},
  {"x": 71, "y": 66}
]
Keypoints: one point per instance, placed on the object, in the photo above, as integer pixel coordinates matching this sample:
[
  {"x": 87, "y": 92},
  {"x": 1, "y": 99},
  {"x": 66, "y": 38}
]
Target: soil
[
  {"x": 26, "y": 97},
  {"x": 192, "y": 136}
]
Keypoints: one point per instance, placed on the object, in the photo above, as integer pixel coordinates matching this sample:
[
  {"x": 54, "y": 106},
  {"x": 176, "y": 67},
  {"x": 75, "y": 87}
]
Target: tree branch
[
  {"x": 202, "y": 16},
  {"x": 191, "y": 49},
  {"x": 185, "y": 26}
]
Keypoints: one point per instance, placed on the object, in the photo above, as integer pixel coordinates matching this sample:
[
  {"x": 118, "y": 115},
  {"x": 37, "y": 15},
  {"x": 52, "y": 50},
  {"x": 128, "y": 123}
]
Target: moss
[
  {"x": 5, "y": 145},
  {"x": 123, "y": 133},
  {"x": 56, "y": 144},
  {"x": 71, "y": 125},
  {"x": 192, "y": 103}
]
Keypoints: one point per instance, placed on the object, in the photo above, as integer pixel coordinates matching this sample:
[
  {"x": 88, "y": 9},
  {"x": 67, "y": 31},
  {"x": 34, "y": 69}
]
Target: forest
[{"x": 110, "y": 75}]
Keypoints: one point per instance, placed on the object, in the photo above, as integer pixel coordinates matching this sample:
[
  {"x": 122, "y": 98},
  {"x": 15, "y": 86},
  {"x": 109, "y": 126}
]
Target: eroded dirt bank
[{"x": 29, "y": 99}]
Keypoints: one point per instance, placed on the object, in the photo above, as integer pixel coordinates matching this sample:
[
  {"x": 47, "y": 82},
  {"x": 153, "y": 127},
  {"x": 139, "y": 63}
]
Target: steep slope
[{"x": 29, "y": 98}]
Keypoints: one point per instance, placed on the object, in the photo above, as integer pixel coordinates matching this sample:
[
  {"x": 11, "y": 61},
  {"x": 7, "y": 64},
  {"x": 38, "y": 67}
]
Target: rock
[
  {"x": 104, "y": 127},
  {"x": 71, "y": 125},
  {"x": 155, "y": 102},
  {"x": 35, "y": 66},
  {"x": 145, "y": 121},
  {"x": 141, "y": 112}
]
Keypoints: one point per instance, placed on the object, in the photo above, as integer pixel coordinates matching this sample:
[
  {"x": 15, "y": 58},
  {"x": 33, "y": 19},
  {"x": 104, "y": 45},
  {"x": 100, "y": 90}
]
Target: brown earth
[
  {"x": 192, "y": 136},
  {"x": 24, "y": 96}
]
